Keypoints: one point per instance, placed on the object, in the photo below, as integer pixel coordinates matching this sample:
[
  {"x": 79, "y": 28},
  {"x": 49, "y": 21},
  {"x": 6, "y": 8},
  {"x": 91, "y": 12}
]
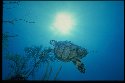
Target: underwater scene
[{"x": 63, "y": 40}]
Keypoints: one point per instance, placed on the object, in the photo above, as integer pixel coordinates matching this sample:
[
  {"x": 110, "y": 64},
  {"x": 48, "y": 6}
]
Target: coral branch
[
  {"x": 58, "y": 72},
  {"x": 44, "y": 77},
  {"x": 51, "y": 69}
]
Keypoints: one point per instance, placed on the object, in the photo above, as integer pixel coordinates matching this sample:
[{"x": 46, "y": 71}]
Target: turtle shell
[{"x": 66, "y": 51}]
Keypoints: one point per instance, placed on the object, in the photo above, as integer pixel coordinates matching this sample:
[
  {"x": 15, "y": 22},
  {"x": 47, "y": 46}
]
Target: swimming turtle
[{"x": 67, "y": 51}]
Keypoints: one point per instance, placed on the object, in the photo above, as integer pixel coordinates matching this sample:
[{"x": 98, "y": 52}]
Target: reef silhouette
[
  {"x": 22, "y": 68},
  {"x": 64, "y": 51}
]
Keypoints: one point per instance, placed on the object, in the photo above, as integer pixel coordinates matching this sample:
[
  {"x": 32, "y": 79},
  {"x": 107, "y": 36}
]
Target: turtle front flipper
[{"x": 79, "y": 65}]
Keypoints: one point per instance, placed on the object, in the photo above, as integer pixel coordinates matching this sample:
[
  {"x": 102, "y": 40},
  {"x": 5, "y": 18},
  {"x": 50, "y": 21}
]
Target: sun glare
[{"x": 63, "y": 23}]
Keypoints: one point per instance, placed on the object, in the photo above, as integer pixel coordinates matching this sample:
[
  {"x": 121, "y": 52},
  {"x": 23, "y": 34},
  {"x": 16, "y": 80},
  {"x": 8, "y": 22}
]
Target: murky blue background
[{"x": 99, "y": 28}]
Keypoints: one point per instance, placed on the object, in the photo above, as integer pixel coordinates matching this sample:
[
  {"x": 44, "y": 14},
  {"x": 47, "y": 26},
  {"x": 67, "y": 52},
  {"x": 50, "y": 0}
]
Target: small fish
[
  {"x": 20, "y": 19},
  {"x": 5, "y": 3},
  {"x": 12, "y": 22},
  {"x": 13, "y": 2},
  {"x": 8, "y": 8},
  {"x": 31, "y": 22}
]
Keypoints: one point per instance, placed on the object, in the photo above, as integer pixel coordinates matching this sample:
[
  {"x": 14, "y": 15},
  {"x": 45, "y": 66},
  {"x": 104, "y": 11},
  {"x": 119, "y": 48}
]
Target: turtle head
[
  {"x": 82, "y": 52},
  {"x": 53, "y": 42}
]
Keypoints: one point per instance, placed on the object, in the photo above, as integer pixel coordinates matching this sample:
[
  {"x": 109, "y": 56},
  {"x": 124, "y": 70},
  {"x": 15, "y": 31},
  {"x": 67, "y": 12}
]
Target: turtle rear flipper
[
  {"x": 79, "y": 65},
  {"x": 81, "y": 68}
]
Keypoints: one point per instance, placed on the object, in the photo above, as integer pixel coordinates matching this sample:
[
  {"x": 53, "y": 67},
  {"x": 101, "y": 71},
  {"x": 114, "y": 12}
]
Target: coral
[
  {"x": 5, "y": 40},
  {"x": 51, "y": 69},
  {"x": 46, "y": 71},
  {"x": 35, "y": 54},
  {"x": 25, "y": 66},
  {"x": 58, "y": 72}
]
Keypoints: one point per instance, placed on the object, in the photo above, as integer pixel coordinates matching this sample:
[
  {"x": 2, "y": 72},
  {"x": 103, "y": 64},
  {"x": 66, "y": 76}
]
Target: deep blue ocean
[{"x": 97, "y": 26}]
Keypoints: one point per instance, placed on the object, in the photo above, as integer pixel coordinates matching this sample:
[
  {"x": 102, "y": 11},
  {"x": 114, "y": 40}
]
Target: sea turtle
[{"x": 67, "y": 51}]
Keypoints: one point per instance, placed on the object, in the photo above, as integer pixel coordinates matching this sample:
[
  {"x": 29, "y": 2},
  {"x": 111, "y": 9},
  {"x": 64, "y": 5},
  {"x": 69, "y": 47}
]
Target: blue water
[{"x": 99, "y": 27}]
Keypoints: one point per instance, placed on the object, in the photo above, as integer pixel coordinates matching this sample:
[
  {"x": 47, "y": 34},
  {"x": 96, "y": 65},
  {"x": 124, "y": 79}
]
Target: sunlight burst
[{"x": 63, "y": 23}]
